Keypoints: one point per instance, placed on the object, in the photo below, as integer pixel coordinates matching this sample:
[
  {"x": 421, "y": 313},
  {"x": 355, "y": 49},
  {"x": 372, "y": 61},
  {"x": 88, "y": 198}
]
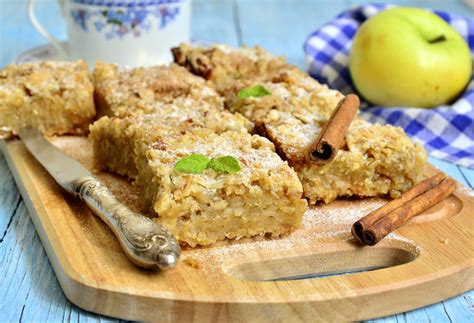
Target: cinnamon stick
[
  {"x": 330, "y": 139},
  {"x": 390, "y": 217},
  {"x": 363, "y": 224},
  {"x": 400, "y": 216}
]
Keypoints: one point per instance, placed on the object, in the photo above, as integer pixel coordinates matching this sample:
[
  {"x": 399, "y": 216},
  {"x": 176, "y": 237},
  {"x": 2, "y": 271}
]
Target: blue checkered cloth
[{"x": 447, "y": 132}]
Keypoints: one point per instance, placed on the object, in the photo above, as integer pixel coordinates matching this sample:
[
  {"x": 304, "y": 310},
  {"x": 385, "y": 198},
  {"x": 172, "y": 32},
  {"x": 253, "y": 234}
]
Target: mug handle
[{"x": 53, "y": 40}]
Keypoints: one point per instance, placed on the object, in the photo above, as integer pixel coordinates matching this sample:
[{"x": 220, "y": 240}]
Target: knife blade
[
  {"x": 146, "y": 243},
  {"x": 63, "y": 168}
]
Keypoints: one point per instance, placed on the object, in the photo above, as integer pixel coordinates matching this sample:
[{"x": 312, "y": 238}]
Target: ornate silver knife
[{"x": 145, "y": 242}]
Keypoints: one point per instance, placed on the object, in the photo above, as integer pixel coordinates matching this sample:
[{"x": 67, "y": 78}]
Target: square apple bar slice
[
  {"x": 134, "y": 91},
  {"x": 54, "y": 97},
  {"x": 374, "y": 160},
  {"x": 179, "y": 116},
  {"x": 224, "y": 65},
  {"x": 263, "y": 197}
]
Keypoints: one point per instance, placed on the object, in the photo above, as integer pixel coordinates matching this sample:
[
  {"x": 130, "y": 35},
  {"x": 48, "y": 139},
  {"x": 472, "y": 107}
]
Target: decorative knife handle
[{"x": 147, "y": 243}]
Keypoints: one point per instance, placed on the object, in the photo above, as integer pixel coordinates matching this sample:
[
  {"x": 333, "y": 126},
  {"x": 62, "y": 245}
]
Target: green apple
[{"x": 409, "y": 57}]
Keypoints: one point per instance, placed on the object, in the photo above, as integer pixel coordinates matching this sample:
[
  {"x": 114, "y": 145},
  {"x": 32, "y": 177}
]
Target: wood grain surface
[
  {"x": 29, "y": 290},
  {"x": 425, "y": 262}
]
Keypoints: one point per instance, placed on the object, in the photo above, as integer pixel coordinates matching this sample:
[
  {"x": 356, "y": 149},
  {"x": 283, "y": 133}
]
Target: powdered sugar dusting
[
  {"x": 212, "y": 260},
  {"x": 341, "y": 212},
  {"x": 465, "y": 190},
  {"x": 211, "y": 257},
  {"x": 395, "y": 236}
]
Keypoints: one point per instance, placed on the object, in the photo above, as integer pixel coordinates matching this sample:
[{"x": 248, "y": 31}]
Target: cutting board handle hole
[{"x": 320, "y": 265}]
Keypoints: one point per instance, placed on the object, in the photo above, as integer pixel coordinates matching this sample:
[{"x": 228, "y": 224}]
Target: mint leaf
[
  {"x": 256, "y": 91},
  {"x": 194, "y": 164},
  {"x": 226, "y": 164},
  {"x": 197, "y": 163}
]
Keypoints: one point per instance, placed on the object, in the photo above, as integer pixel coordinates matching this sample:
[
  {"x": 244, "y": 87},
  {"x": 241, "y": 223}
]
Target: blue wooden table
[{"x": 29, "y": 290}]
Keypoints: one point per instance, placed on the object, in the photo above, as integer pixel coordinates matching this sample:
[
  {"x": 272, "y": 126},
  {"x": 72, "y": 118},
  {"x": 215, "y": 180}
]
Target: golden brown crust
[
  {"x": 292, "y": 114},
  {"x": 54, "y": 97},
  {"x": 223, "y": 65},
  {"x": 135, "y": 91},
  {"x": 183, "y": 115},
  {"x": 377, "y": 160}
]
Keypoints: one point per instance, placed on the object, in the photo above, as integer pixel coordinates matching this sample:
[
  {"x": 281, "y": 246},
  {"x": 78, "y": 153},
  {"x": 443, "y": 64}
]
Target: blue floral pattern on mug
[{"x": 118, "y": 22}]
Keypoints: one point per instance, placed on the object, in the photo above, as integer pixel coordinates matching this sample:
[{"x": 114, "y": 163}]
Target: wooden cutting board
[{"x": 426, "y": 261}]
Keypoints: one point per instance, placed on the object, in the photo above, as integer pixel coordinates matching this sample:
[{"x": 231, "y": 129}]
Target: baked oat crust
[
  {"x": 54, "y": 97},
  {"x": 135, "y": 91},
  {"x": 223, "y": 65}
]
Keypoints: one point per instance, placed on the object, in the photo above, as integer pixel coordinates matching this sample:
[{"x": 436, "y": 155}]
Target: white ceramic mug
[{"x": 127, "y": 32}]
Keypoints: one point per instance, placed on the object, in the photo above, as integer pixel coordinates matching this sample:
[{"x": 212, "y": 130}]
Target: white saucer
[
  {"x": 48, "y": 53},
  {"x": 37, "y": 54}
]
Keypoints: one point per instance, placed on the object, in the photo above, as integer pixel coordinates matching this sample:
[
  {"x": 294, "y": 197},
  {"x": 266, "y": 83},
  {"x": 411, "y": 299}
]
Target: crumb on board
[{"x": 192, "y": 262}]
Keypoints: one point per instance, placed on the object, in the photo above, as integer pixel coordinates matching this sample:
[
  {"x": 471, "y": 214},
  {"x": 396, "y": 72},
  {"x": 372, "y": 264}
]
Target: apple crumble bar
[
  {"x": 54, "y": 97},
  {"x": 375, "y": 160},
  {"x": 264, "y": 197},
  {"x": 224, "y": 65},
  {"x": 179, "y": 116},
  {"x": 134, "y": 91}
]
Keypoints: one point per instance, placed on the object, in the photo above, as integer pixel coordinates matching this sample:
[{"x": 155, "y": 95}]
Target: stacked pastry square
[
  {"x": 160, "y": 115},
  {"x": 244, "y": 103}
]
